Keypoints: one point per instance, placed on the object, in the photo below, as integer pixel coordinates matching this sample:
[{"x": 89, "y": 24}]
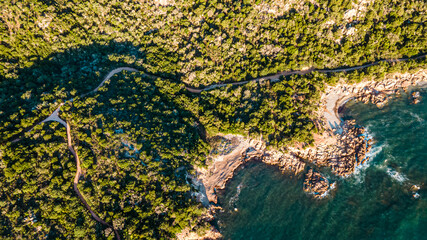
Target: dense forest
[
  {"x": 139, "y": 136},
  {"x": 203, "y": 42},
  {"x": 137, "y": 144},
  {"x": 37, "y": 200}
]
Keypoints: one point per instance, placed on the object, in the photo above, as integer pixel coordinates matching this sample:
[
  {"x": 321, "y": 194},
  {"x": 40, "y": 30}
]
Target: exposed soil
[
  {"x": 230, "y": 153},
  {"x": 227, "y": 159}
]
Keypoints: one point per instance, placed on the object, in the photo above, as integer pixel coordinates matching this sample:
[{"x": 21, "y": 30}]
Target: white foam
[
  {"x": 417, "y": 117},
  {"x": 236, "y": 196},
  {"x": 368, "y": 130},
  {"x": 400, "y": 177},
  {"x": 375, "y": 150},
  {"x": 331, "y": 187},
  {"x": 360, "y": 170}
]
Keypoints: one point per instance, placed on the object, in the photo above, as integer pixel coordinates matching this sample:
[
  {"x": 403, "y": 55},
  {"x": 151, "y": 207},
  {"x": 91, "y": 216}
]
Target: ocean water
[{"x": 379, "y": 201}]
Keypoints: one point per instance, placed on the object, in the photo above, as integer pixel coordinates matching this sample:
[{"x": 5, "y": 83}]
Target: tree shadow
[
  {"x": 166, "y": 131},
  {"x": 38, "y": 89}
]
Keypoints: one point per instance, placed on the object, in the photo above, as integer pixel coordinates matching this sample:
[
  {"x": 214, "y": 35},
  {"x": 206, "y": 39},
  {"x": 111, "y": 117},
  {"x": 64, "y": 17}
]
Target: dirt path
[
  {"x": 273, "y": 78},
  {"x": 109, "y": 75},
  {"x": 76, "y": 182},
  {"x": 276, "y": 77},
  {"x": 331, "y": 108},
  {"x": 55, "y": 117}
]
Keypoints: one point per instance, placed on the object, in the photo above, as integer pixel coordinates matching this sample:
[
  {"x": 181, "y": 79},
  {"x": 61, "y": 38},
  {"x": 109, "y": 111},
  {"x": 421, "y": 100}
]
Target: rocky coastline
[
  {"x": 375, "y": 92},
  {"x": 341, "y": 150},
  {"x": 348, "y": 144},
  {"x": 342, "y": 145},
  {"x": 228, "y": 154}
]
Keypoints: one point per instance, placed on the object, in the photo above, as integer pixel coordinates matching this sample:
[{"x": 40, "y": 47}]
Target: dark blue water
[{"x": 375, "y": 203}]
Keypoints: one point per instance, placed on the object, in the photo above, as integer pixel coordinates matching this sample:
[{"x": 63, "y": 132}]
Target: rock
[
  {"x": 415, "y": 94},
  {"x": 342, "y": 155},
  {"x": 316, "y": 184},
  {"x": 288, "y": 162},
  {"x": 405, "y": 84},
  {"x": 416, "y": 97}
]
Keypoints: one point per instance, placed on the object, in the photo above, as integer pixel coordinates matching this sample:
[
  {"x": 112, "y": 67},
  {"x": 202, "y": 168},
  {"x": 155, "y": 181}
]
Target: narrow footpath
[
  {"x": 76, "y": 182},
  {"x": 273, "y": 78}
]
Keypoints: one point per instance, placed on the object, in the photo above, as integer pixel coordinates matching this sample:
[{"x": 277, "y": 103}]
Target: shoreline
[
  {"x": 276, "y": 77},
  {"x": 341, "y": 147},
  {"x": 376, "y": 92},
  {"x": 294, "y": 160}
]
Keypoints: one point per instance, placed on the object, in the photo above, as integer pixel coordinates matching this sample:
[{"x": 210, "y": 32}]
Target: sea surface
[{"x": 379, "y": 201}]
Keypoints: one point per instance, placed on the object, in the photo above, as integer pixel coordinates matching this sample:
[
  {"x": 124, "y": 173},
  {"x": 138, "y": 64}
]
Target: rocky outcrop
[
  {"x": 316, "y": 184},
  {"x": 376, "y": 92},
  {"x": 350, "y": 145},
  {"x": 342, "y": 151},
  {"x": 416, "y": 97},
  {"x": 342, "y": 147},
  {"x": 371, "y": 95},
  {"x": 288, "y": 162},
  {"x": 344, "y": 155},
  {"x": 228, "y": 154}
]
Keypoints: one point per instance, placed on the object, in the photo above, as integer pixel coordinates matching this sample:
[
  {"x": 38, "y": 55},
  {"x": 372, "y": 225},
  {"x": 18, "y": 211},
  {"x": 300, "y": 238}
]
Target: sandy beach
[
  {"x": 341, "y": 150},
  {"x": 336, "y": 96}
]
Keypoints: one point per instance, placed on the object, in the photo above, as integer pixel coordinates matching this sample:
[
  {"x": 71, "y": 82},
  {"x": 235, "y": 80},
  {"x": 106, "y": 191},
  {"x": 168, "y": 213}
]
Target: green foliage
[
  {"x": 139, "y": 136},
  {"x": 134, "y": 135},
  {"x": 282, "y": 112},
  {"x": 37, "y": 198},
  {"x": 53, "y": 50}
]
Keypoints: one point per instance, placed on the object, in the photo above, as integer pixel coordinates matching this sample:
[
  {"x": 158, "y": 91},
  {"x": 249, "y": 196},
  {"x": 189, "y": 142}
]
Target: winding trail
[
  {"x": 76, "y": 182},
  {"x": 273, "y": 78},
  {"x": 55, "y": 117},
  {"x": 109, "y": 75},
  {"x": 276, "y": 77}
]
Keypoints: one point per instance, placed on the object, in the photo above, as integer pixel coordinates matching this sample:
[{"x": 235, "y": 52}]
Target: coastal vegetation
[
  {"x": 281, "y": 112},
  {"x": 136, "y": 151},
  {"x": 140, "y": 135},
  {"x": 37, "y": 200}
]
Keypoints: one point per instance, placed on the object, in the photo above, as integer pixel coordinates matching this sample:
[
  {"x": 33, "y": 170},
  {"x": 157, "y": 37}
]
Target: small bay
[{"x": 379, "y": 201}]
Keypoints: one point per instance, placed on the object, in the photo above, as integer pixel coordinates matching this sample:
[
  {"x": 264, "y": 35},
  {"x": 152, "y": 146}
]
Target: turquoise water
[{"x": 375, "y": 203}]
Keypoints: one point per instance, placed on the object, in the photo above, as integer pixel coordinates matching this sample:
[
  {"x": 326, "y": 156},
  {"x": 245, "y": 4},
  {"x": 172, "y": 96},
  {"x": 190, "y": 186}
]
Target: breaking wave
[
  {"x": 360, "y": 171},
  {"x": 400, "y": 177},
  {"x": 236, "y": 196},
  {"x": 417, "y": 117},
  {"x": 375, "y": 150}
]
